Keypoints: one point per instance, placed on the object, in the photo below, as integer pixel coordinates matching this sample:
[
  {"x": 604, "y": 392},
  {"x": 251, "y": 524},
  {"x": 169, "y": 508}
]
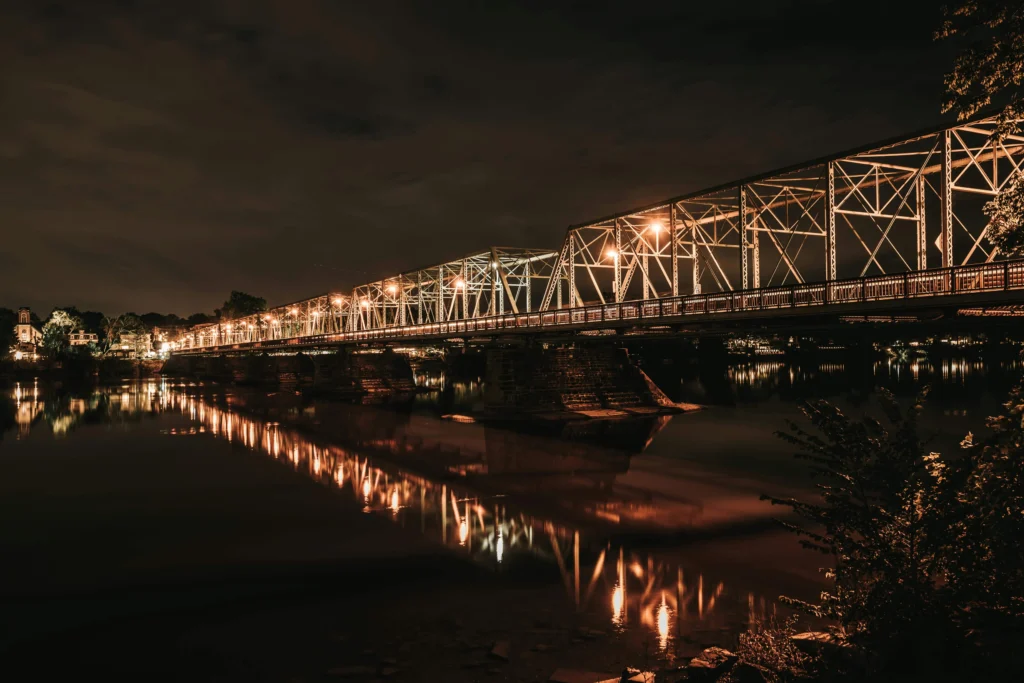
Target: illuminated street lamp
[
  {"x": 613, "y": 254},
  {"x": 459, "y": 283}
]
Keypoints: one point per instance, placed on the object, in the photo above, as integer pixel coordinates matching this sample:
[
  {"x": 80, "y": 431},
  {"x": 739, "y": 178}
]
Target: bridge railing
[{"x": 958, "y": 280}]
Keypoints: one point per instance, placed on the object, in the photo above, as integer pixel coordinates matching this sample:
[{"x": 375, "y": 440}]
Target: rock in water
[
  {"x": 631, "y": 675},
  {"x": 500, "y": 650},
  {"x": 713, "y": 660}
]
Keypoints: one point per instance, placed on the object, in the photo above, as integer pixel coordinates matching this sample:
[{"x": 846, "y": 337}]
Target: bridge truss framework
[{"x": 871, "y": 224}]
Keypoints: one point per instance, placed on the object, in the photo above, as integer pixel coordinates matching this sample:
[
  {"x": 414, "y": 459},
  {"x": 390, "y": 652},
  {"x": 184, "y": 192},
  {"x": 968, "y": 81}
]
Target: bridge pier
[
  {"x": 343, "y": 372},
  {"x": 599, "y": 380},
  {"x": 378, "y": 375}
]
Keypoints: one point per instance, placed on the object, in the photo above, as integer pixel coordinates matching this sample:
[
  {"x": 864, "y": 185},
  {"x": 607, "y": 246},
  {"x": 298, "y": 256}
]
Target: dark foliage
[
  {"x": 240, "y": 304},
  {"x": 925, "y": 553},
  {"x": 8, "y": 319}
]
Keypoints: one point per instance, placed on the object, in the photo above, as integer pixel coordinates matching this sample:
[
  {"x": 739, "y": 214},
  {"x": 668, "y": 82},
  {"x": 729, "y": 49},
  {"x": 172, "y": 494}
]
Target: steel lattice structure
[
  {"x": 839, "y": 229},
  {"x": 885, "y": 209},
  {"x": 488, "y": 283}
]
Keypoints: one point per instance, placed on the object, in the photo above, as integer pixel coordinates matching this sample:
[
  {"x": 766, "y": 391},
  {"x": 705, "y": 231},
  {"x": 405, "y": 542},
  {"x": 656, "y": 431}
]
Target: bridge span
[{"x": 886, "y": 230}]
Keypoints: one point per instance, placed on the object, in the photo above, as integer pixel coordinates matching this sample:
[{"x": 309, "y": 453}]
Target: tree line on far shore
[{"x": 64, "y": 320}]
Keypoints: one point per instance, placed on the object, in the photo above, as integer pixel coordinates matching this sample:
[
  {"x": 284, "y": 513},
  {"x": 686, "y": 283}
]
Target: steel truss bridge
[{"x": 882, "y": 229}]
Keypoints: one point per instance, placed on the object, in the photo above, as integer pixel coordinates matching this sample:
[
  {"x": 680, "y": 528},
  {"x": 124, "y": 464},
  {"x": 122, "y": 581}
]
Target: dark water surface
[{"x": 654, "y": 527}]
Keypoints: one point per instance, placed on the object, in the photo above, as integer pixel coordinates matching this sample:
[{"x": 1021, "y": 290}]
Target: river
[{"x": 654, "y": 527}]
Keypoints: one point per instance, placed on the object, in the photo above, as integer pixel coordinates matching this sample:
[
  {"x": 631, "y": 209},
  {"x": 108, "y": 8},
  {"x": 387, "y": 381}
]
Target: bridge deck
[{"x": 961, "y": 286}]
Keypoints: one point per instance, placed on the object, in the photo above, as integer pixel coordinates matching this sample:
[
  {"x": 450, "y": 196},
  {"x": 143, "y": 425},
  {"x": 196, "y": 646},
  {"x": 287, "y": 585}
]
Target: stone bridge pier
[
  {"x": 341, "y": 372},
  {"x": 594, "y": 380}
]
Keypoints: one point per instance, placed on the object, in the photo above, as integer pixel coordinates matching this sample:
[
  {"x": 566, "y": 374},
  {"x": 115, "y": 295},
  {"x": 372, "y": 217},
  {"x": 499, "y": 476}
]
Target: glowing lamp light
[
  {"x": 365, "y": 303},
  {"x": 294, "y": 311},
  {"x": 267, "y": 318},
  {"x": 392, "y": 289},
  {"x": 460, "y": 283},
  {"x": 656, "y": 226},
  {"x": 337, "y": 301},
  {"x": 612, "y": 253},
  {"x": 227, "y": 327}
]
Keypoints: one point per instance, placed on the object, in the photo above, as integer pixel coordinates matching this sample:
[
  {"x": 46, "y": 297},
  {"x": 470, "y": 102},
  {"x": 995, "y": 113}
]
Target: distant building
[
  {"x": 27, "y": 336},
  {"x": 83, "y": 338},
  {"x": 135, "y": 345}
]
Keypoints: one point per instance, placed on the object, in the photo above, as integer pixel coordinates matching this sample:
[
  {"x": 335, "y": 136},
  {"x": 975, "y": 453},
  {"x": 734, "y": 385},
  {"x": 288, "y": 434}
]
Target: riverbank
[{"x": 77, "y": 369}]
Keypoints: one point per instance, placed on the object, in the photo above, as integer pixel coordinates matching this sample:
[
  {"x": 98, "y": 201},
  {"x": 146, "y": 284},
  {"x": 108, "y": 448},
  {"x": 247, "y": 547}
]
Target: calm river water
[{"x": 653, "y": 526}]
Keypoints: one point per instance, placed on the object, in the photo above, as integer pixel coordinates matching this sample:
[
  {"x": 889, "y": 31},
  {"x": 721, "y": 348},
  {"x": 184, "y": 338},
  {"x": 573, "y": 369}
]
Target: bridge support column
[{"x": 554, "y": 381}]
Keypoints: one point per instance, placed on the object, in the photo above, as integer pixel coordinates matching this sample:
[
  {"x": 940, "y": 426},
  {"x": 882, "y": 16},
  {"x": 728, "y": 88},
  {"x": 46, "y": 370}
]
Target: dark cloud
[{"x": 155, "y": 155}]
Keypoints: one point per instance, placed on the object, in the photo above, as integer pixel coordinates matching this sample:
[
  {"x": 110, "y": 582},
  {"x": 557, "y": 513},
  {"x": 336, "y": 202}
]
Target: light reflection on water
[
  {"x": 626, "y": 586},
  {"x": 638, "y": 588}
]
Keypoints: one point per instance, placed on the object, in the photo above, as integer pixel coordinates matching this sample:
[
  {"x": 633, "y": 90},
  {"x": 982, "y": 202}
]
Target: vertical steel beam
[
  {"x": 922, "y": 226},
  {"x": 572, "y": 269},
  {"x": 675, "y": 247},
  {"x": 742, "y": 222},
  {"x": 830, "y": 222},
  {"x": 439, "y": 302},
  {"x": 529, "y": 289},
  {"x": 465, "y": 291},
  {"x": 696, "y": 257},
  {"x": 946, "y": 201},
  {"x": 617, "y": 262},
  {"x": 756, "y": 270}
]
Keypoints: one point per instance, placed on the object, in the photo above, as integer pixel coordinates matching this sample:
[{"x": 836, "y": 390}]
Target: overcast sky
[{"x": 155, "y": 155}]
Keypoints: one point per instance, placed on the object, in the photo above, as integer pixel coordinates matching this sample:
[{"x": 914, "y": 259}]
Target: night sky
[{"x": 155, "y": 155}]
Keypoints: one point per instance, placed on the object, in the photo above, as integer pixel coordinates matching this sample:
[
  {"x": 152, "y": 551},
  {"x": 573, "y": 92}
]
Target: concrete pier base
[
  {"x": 589, "y": 381},
  {"x": 342, "y": 373}
]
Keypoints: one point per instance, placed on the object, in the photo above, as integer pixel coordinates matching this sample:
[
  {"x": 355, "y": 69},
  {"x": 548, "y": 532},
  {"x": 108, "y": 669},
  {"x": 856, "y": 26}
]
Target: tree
[
  {"x": 989, "y": 72},
  {"x": 927, "y": 563},
  {"x": 199, "y": 319},
  {"x": 879, "y": 487},
  {"x": 8, "y": 319},
  {"x": 125, "y": 326},
  {"x": 240, "y": 304},
  {"x": 57, "y": 328},
  {"x": 986, "y": 565}
]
